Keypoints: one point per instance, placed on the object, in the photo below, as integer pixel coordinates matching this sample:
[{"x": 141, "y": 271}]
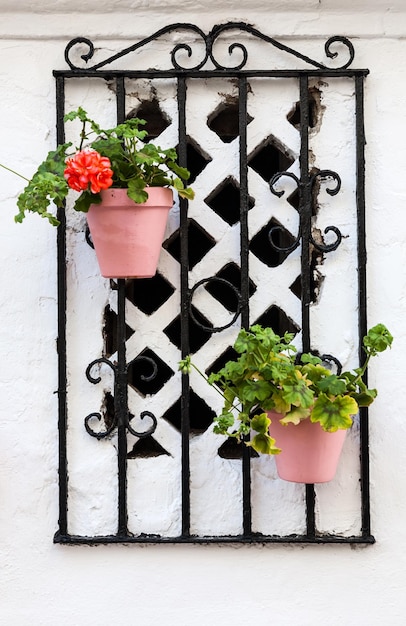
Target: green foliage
[
  {"x": 266, "y": 377},
  {"x": 135, "y": 165},
  {"x": 47, "y": 185}
]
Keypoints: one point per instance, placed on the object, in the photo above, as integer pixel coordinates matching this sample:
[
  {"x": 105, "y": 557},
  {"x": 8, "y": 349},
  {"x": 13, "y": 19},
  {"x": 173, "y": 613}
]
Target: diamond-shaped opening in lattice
[
  {"x": 196, "y": 159},
  {"x": 225, "y": 201},
  {"x": 294, "y": 199},
  {"x": 199, "y": 331},
  {"x": 200, "y": 414},
  {"x": 277, "y": 319},
  {"x": 140, "y": 372},
  {"x": 269, "y": 158},
  {"x": 228, "y": 355},
  {"x": 107, "y": 410},
  {"x": 110, "y": 331},
  {"x": 231, "y": 449},
  {"x": 314, "y": 110},
  {"x": 261, "y": 244},
  {"x": 151, "y": 112},
  {"x": 224, "y": 121},
  {"x": 224, "y": 294},
  {"x": 199, "y": 243},
  {"x": 296, "y": 287},
  {"x": 148, "y": 294},
  {"x": 146, "y": 447}
]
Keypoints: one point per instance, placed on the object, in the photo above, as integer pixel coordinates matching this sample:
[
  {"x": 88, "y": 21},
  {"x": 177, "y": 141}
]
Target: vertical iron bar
[
  {"x": 121, "y": 409},
  {"x": 305, "y": 211},
  {"x": 120, "y": 99},
  {"x": 185, "y": 295},
  {"x": 120, "y": 387},
  {"x": 362, "y": 297},
  {"x": 305, "y": 229},
  {"x": 245, "y": 321},
  {"x": 61, "y": 341}
]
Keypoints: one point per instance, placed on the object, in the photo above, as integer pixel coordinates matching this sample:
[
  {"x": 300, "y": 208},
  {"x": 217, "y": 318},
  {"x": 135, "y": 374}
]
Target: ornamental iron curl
[
  {"x": 128, "y": 417},
  {"x": 310, "y": 182},
  {"x": 209, "y": 42},
  {"x": 222, "y": 281},
  {"x": 326, "y": 358}
]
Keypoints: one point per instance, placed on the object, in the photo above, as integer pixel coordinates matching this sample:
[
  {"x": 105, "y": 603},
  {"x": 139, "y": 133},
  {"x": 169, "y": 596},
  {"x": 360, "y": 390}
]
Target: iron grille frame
[{"x": 242, "y": 75}]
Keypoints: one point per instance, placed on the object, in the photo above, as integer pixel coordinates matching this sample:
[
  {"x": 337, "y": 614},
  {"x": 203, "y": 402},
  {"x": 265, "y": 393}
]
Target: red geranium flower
[{"x": 88, "y": 168}]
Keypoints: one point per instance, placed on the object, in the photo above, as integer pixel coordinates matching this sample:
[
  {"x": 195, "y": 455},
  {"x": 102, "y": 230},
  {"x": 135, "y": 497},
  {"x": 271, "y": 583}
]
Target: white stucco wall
[{"x": 47, "y": 585}]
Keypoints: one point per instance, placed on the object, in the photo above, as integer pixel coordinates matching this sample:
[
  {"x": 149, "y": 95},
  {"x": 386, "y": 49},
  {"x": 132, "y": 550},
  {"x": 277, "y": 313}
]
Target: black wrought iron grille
[{"x": 190, "y": 244}]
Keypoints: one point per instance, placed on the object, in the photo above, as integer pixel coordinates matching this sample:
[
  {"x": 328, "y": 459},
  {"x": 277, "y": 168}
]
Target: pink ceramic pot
[
  {"x": 127, "y": 237},
  {"x": 309, "y": 453}
]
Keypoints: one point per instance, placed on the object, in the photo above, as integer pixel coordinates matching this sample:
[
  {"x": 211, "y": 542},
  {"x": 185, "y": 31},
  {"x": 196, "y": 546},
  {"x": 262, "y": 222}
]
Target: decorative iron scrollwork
[
  {"x": 208, "y": 42},
  {"x": 310, "y": 182},
  {"x": 222, "y": 281},
  {"x": 128, "y": 416}
]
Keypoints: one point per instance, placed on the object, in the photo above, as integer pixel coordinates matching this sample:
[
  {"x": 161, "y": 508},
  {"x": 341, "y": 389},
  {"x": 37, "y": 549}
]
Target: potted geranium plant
[
  {"x": 292, "y": 400},
  {"x": 125, "y": 187}
]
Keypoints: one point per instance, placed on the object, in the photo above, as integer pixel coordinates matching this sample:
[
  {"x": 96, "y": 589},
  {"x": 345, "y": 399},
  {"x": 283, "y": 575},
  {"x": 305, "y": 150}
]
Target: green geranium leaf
[
  {"x": 334, "y": 413},
  {"x": 264, "y": 444},
  {"x": 136, "y": 191},
  {"x": 255, "y": 391},
  {"x": 332, "y": 385},
  {"x": 85, "y": 200},
  {"x": 222, "y": 423},
  {"x": 295, "y": 416},
  {"x": 378, "y": 339},
  {"x": 188, "y": 193},
  {"x": 298, "y": 393},
  {"x": 310, "y": 358},
  {"x": 260, "y": 423},
  {"x": 366, "y": 397},
  {"x": 182, "y": 172}
]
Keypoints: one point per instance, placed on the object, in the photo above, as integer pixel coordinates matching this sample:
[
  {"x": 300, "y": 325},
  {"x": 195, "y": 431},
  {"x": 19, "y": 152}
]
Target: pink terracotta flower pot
[
  {"x": 127, "y": 237},
  {"x": 309, "y": 453}
]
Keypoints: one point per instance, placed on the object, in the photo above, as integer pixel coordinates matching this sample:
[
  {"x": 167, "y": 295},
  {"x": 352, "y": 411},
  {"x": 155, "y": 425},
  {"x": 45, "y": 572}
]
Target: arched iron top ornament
[{"x": 207, "y": 42}]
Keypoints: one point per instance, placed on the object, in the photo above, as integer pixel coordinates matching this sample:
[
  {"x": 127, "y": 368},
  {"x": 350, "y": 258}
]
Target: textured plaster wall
[{"x": 46, "y": 585}]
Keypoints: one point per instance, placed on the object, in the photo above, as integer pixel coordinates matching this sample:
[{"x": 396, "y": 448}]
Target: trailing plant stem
[
  {"x": 211, "y": 384},
  {"x": 14, "y": 172}
]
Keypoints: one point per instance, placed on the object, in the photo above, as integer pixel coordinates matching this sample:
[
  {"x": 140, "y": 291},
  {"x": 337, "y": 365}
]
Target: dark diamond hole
[
  {"x": 151, "y": 112},
  {"x": 199, "y": 243},
  {"x": 294, "y": 199},
  {"x": 197, "y": 336},
  {"x": 196, "y": 159},
  {"x": 262, "y": 247},
  {"x": 231, "y": 449},
  {"x": 146, "y": 447},
  {"x": 108, "y": 410},
  {"x": 296, "y": 287},
  {"x": 277, "y": 319},
  {"x": 269, "y": 158},
  {"x": 224, "y": 120},
  {"x": 224, "y": 294},
  {"x": 225, "y": 201},
  {"x": 110, "y": 331},
  {"x": 148, "y": 294},
  {"x": 314, "y": 110},
  {"x": 228, "y": 355},
  {"x": 140, "y": 368},
  {"x": 201, "y": 415}
]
